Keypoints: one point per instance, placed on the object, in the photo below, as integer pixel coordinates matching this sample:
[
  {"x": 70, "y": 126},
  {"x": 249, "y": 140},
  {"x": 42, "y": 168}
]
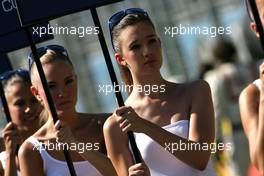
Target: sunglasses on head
[
  {"x": 118, "y": 16},
  {"x": 22, "y": 73},
  {"x": 43, "y": 50}
]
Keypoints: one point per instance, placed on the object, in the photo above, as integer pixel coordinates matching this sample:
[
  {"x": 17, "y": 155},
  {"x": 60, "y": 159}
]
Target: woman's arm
[
  {"x": 251, "y": 104},
  {"x": 260, "y": 129},
  {"x": 117, "y": 146},
  {"x": 251, "y": 112},
  {"x": 201, "y": 128},
  {"x": 30, "y": 161},
  {"x": 100, "y": 161},
  {"x": 12, "y": 140}
]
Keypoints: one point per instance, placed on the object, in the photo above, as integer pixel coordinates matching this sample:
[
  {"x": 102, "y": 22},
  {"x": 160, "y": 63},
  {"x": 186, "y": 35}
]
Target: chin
[{"x": 62, "y": 112}]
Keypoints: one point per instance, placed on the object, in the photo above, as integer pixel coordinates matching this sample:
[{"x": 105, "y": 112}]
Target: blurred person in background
[{"x": 226, "y": 80}]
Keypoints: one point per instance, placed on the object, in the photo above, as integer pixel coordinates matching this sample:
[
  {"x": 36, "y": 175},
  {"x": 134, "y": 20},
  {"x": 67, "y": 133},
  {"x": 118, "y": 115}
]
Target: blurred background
[{"x": 228, "y": 61}]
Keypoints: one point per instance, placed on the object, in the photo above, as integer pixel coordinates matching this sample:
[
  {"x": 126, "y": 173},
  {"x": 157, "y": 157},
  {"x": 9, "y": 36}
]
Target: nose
[
  {"x": 146, "y": 50},
  {"x": 60, "y": 93}
]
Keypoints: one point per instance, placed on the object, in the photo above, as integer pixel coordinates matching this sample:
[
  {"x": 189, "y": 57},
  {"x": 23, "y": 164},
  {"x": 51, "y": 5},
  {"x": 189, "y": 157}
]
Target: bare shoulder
[
  {"x": 197, "y": 88},
  {"x": 112, "y": 130},
  {"x": 27, "y": 150},
  {"x": 26, "y": 154},
  {"x": 110, "y": 124},
  {"x": 248, "y": 104},
  {"x": 98, "y": 118},
  {"x": 249, "y": 100},
  {"x": 251, "y": 92}
]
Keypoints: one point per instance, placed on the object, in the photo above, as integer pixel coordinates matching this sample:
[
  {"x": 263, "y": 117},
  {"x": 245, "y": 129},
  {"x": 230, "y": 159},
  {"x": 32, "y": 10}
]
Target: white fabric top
[
  {"x": 54, "y": 167},
  {"x": 162, "y": 162},
  {"x": 257, "y": 83},
  {"x": 3, "y": 159}
]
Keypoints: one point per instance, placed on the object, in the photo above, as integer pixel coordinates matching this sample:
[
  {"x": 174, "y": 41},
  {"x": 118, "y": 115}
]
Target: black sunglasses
[
  {"x": 42, "y": 50},
  {"x": 118, "y": 16},
  {"x": 22, "y": 73}
]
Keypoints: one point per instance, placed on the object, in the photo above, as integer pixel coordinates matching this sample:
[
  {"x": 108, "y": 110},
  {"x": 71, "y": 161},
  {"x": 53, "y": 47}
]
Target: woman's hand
[
  {"x": 64, "y": 133},
  {"x": 140, "y": 169},
  {"x": 129, "y": 120},
  {"x": 11, "y": 138}
]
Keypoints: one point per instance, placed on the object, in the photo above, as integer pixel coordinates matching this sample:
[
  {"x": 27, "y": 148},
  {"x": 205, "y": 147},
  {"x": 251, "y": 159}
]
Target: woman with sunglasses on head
[
  {"x": 160, "y": 120},
  {"x": 80, "y": 133},
  {"x": 25, "y": 113}
]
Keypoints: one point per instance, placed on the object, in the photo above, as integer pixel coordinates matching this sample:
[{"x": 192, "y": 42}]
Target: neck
[
  {"x": 70, "y": 118},
  {"x": 149, "y": 85},
  {"x": 149, "y": 79},
  {"x": 26, "y": 132},
  {"x": 25, "y": 135}
]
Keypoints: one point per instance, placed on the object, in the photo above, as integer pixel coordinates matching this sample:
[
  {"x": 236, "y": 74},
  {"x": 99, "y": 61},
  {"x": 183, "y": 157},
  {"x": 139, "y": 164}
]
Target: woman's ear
[
  {"x": 35, "y": 93},
  {"x": 253, "y": 27},
  {"x": 120, "y": 60}
]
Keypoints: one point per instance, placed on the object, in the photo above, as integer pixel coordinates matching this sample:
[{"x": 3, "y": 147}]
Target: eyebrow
[
  {"x": 51, "y": 82},
  {"x": 149, "y": 36},
  {"x": 69, "y": 77},
  {"x": 19, "y": 100}
]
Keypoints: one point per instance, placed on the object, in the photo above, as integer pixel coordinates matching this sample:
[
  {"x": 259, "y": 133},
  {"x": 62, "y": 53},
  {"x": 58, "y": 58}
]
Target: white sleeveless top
[
  {"x": 162, "y": 162},
  {"x": 54, "y": 167},
  {"x": 257, "y": 83},
  {"x": 3, "y": 159}
]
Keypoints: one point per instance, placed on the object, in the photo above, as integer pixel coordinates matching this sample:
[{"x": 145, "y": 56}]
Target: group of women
[{"x": 182, "y": 114}]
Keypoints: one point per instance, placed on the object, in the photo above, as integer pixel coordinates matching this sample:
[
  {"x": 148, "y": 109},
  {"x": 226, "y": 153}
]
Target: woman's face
[
  {"x": 62, "y": 84},
  {"x": 141, "y": 48},
  {"x": 23, "y": 106}
]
